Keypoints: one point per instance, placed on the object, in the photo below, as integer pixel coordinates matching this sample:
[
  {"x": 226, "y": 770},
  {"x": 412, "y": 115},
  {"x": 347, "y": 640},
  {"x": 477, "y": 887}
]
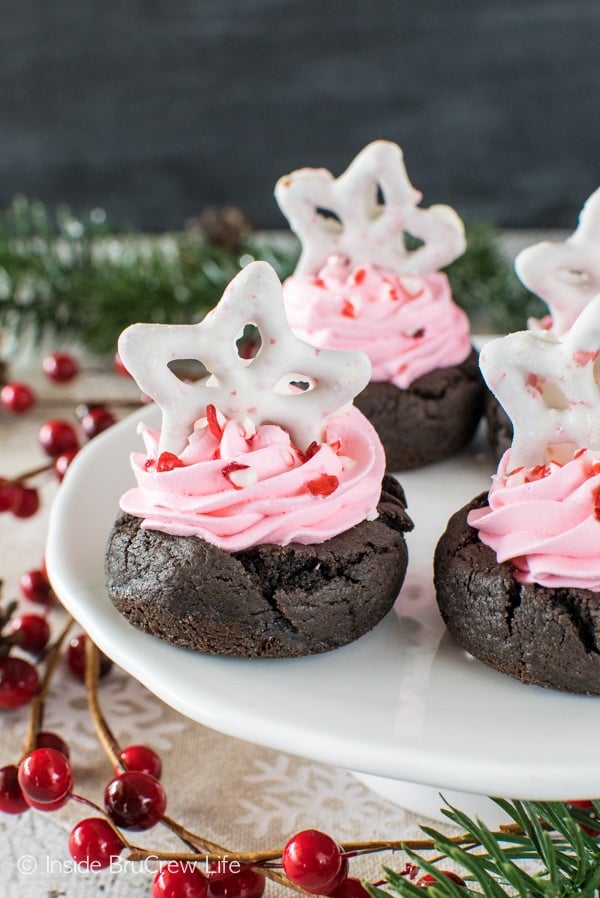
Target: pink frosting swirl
[
  {"x": 407, "y": 326},
  {"x": 238, "y": 488},
  {"x": 546, "y": 521}
]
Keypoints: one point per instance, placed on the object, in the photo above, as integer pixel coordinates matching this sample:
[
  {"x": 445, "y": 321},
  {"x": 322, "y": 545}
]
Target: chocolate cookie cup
[
  {"x": 439, "y": 413},
  {"x": 536, "y": 634},
  {"x": 499, "y": 427},
  {"x": 264, "y": 602}
]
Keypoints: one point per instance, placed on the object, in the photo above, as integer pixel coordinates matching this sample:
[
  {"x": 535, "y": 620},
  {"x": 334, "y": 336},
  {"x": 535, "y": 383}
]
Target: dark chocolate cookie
[
  {"x": 265, "y": 602},
  {"x": 538, "y": 635},
  {"x": 433, "y": 419},
  {"x": 499, "y": 427}
]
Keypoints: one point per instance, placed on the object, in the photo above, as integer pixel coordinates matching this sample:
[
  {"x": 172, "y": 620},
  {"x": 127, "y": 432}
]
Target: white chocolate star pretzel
[
  {"x": 257, "y": 388},
  {"x": 566, "y": 275},
  {"x": 365, "y": 213},
  {"x": 549, "y": 388}
]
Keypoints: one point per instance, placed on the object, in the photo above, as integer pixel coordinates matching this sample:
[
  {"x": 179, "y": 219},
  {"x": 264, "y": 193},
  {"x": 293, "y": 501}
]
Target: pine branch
[
  {"x": 554, "y": 841},
  {"x": 69, "y": 276}
]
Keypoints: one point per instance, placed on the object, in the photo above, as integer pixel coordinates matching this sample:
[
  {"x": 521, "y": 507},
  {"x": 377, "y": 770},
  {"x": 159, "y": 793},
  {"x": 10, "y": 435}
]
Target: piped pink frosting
[
  {"x": 408, "y": 326},
  {"x": 245, "y": 486},
  {"x": 546, "y": 521}
]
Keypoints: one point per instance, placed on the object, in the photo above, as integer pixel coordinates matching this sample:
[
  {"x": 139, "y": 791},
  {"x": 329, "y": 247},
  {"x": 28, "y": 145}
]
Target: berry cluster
[
  {"x": 58, "y": 438},
  {"x": 134, "y": 800}
]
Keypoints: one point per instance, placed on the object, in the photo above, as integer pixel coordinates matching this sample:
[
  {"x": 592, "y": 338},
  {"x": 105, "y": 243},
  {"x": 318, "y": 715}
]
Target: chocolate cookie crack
[
  {"x": 580, "y": 616},
  {"x": 514, "y": 598}
]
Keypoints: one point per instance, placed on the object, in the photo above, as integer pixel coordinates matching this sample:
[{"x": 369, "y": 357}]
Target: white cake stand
[{"x": 403, "y": 706}]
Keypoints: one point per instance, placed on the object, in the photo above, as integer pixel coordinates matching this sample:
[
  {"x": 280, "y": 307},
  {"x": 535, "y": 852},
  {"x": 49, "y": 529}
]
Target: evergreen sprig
[
  {"x": 79, "y": 278},
  {"x": 550, "y": 851}
]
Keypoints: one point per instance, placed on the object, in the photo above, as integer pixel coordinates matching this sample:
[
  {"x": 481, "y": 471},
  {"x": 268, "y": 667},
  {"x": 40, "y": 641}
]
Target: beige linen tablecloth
[{"x": 235, "y": 793}]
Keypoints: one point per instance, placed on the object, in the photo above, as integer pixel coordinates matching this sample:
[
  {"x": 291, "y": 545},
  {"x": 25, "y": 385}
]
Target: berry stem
[
  {"x": 41, "y": 469},
  {"x": 36, "y": 715},
  {"x": 7, "y": 612},
  {"x": 113, "y": 750},
  {"x": 103, "y": 731},
  {"x": 203, "y": 849},
  {"x": 262, "y": 858}
]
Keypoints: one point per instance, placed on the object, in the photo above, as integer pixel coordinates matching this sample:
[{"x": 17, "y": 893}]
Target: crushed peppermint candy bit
[
  {"x": 323, "y": 485},
  {"x": 239, "y": 475},
  {"x": 348, "y": 309},
  {"x": 596, "y": 498},
  {"x": 167, "y": 461},
  {"x": 538, "y": 472},
  {"x": 584, "y": 357},
  {"x": 212, "y": 420},
  {"x": 311, "y": 450},
  {"x": 287, "y": 457},
  {"x": 591, "y": 469},
  {"x": 149, "y": 463}
]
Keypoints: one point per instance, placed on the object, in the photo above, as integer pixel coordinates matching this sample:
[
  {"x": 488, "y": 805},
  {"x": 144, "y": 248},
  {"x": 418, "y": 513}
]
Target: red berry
[
  {"x": 35, "y": 587},
  {"x": 135, "y": 800},
  {"x": 17, "y": 397},
  {"x": 429, "y": 880},
  {"x": 97, "y": 420},
  {"x": 350, "y": 888},
  {"x": 75, "y": 658},
  {"x": 27, "y": 502},
  {"x": 93, "y": 843},
  {"x": 8, "y": 494},
  {"x": 48, "y": 806},
  {"x": 52, "y": 740},
  {"x": 63, "y": 462},
  {"x": 230, "y": 879},
  {"x": 30, "y": 632},
  {"x": 340, "y": 878},
  {"x": 60, "y": 367},
  {"x": 45, "y": 776},
  {"x": 142, "y": 759},
  {"x": 57, "y": 436},
  {"x": 587, "y": 805},
  {"x": 312, "y": 860},
  {"x": 12, "y": 800},
  {"x": 19, "y": 682},
  {"x": 176, "y": 880}
]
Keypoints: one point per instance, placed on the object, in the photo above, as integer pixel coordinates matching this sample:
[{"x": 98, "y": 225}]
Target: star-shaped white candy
[
  {"x": 548, "y": 387},
  {"x": 566, "y": 275},
  {"x": 353, "y": 222},
  {"x": 240, "y": 388}
]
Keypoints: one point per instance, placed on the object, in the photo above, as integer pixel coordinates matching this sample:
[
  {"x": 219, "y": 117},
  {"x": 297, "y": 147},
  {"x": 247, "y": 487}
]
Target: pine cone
[{"x": 221, "y": 226}]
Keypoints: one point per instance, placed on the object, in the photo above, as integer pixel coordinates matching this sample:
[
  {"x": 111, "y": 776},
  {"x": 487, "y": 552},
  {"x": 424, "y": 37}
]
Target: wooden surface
[{"x": 153, "y": 110}]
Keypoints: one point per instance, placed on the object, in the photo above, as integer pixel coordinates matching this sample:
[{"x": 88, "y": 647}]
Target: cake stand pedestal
[{"x": 426, "y": 801}]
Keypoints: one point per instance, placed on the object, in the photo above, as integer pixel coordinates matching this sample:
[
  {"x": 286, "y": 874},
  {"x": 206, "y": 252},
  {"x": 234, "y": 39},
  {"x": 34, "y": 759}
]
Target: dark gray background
[{"x": 154, "y": 108}]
